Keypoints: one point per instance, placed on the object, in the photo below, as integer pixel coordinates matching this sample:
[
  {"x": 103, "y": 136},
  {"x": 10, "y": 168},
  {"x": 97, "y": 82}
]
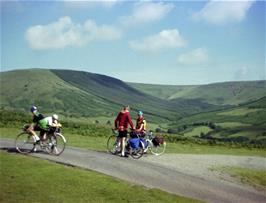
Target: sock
[{"x": 36, "y": 138}]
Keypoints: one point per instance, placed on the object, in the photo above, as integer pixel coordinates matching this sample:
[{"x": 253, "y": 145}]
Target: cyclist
[
  {"x": 141, "y": 125},
  {"x": 45, "y": 124},
  {"x": 121, "y": 124},
  {"x": 141, "y": 128},
  {"x": 34, "y": 126}
]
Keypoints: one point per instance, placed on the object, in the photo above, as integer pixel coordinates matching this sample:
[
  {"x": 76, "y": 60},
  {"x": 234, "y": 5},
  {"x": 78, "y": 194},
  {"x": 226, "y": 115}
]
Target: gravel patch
[{"x": 201, "y": 165}]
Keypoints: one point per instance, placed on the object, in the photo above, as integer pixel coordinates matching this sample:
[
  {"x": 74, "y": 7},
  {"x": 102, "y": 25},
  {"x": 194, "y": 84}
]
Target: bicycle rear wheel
[
  {"x": 24, "y": 143},
  {"x": 113, "y": 144},
  {"x": 56, "y": 145},
  {"x": 159, "y": 149},
  {"x": 138, "y": 152}
]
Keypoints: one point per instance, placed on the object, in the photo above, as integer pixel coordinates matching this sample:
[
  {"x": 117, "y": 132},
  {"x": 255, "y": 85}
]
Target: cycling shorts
[{"x": 122, "y": 133}]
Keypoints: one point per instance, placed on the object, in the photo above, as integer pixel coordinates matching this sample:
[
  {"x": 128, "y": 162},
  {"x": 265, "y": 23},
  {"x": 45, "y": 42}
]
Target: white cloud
[
  {"x": 64, "y": 33},
  {"x": 145, "y": 12},
  {"x": 242, "y": 73},
  {"x": 195, "y": 57},
  {"x": 166, "y": 39},
  {"x": 222, "y": 12}
]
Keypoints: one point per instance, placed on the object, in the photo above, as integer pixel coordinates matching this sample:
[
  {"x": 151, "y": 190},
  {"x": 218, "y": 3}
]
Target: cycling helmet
[
  {"x": 33, "y": 108},
  {"x": 140, "y": 113},
  {"x": 55, "y": 117}
]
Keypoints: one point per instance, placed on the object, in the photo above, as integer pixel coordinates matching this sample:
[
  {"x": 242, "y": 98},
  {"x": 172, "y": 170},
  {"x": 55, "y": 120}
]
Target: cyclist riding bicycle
[{"x": 121, "y": 124}]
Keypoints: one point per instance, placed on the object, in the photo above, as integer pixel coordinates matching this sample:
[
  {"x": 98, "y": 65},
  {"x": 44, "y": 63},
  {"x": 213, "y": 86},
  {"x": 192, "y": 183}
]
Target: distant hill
[
  {"x": 23, "y": 88},
  {"x": 245, "y": 123},
  {"x": 83, "y": 94},
  {"x": 227, "y": 93}
]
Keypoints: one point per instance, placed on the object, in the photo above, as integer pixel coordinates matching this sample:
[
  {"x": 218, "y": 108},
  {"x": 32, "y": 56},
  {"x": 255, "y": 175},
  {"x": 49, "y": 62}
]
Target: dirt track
[{"x": 186, "y": 175}]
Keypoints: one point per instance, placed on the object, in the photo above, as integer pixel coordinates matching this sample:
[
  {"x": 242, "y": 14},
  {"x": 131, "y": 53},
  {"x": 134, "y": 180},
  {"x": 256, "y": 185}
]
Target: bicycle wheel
[
  {"x": 137, "y": 153},
  {"x": 113, "y": 144},
  {"x": 56, "y": 145},
  {"x": 24, "y": 143},
  {"x": 149, "y": 144},
  {"x": 159, "y": 149}
]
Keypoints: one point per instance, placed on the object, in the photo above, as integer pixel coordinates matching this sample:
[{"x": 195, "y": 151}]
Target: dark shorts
[
  {"x": 37, "y": 128},
  {"x": 122, "y": 134}
]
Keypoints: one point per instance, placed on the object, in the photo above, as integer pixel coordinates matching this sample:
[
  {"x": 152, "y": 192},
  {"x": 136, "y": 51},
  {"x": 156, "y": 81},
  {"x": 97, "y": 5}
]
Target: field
[{"x": 245, "y": 124}]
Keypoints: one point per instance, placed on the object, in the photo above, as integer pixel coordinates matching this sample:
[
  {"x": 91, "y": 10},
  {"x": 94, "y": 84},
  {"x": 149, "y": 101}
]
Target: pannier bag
[
  {"x": 157, "y": 140},
  {"x": 134, "y": 143}
]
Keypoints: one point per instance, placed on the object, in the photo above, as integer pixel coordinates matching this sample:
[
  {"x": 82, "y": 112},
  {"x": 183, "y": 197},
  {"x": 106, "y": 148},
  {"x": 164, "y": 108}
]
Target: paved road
[{"x": 152, "y": 174}]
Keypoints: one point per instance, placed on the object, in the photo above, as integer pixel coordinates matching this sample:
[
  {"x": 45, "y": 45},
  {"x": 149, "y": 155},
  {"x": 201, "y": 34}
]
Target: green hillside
[
  {"x": 83, "y": 97},
  {"x": 116, "y": 92},
  {"x": 245, "y": 123},
  {"x": 21, "y": 89},
  {"x": 227, "y": 93},
  {"x": 162, "y": 91},
  {"x": 82, "y": 94}
]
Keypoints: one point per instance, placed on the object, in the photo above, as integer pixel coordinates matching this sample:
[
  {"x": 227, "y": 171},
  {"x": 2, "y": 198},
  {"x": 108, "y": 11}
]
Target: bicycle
[
  {"x": 113, "y": 146},
  {"x": 155, "y": 148},
  {"x": 54, "y": 143}
]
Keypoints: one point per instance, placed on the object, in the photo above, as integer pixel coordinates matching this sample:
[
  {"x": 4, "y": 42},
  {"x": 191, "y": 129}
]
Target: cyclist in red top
[
  {"x": 121, "y": 124},
  {"x": 141, "y": 124}
]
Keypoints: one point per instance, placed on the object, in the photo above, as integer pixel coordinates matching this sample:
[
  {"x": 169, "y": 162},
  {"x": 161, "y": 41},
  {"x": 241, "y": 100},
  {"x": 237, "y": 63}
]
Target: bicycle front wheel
[
  {"x": 57, "y": 144},
  {"x": 159, "y": 149},
  {"x": 24, "y": 143},
  {"x": 113, "y": 144}
]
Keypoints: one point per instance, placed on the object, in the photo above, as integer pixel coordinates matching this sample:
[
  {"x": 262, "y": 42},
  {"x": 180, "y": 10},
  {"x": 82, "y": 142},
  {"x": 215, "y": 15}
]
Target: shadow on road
[{"x": 14, "y": 150}]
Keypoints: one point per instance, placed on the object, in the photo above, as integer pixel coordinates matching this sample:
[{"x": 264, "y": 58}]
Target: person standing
[{"x": 121, "y": 124}]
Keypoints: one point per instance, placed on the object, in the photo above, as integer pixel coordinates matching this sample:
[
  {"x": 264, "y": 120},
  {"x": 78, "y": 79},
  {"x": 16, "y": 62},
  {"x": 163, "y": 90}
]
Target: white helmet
[{"x": 55, "y": 117}]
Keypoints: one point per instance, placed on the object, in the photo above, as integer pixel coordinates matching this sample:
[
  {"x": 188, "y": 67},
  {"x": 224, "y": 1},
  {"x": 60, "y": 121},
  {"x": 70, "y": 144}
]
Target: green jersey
[{"x": 45, "y": 123}]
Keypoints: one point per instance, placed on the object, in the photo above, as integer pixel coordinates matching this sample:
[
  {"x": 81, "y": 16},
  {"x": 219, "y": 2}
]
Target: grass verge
[
  {"x": 254, "y": 177},
  {"x": 28, "y": 179}
]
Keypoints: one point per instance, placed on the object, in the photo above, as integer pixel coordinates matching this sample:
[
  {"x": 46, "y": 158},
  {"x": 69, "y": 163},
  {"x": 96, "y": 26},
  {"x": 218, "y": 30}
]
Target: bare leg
[
  {"x": 122, "y": 146},
  {"x": 33, "y": 133}
]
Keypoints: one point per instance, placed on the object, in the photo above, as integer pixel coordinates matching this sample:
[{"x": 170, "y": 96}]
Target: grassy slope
[
  {"x": 228, "y": 93},
  {"x": 79, "y": 94},
  {"x": 247, "y": 120},
  {"x": 118, "y": 92},
  {"x": 20, "y": 89},
  {"x": 250, "y": 113},
  {"x": 254, "y": 177},
  {"x": 162, "y": 91},
  {"x": 83, "y": 94},
  {"x": 42, "y": 181}
]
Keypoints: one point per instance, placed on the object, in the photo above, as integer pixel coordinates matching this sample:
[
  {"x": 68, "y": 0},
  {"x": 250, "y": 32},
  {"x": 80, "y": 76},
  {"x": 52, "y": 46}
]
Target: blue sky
[{"x": 158, "y": 42}]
